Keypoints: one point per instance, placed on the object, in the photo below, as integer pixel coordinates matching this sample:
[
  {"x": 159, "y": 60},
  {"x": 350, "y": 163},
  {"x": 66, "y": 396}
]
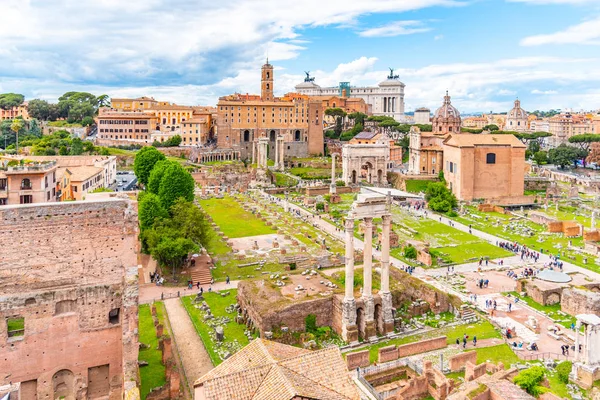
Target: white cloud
[
  {"x": 537, "y": 91},
  {"x": 587, "y": 32},
  {"x": 505, "y": 92},
  {"x": 539, "y": 2},
  {"x": 395, "y": 28},
  {"x": 438, "y": 37}
]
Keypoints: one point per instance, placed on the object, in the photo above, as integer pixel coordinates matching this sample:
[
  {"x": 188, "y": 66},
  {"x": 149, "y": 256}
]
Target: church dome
[
  {"x": 517, "y": 112},
  {"x": 447, "y": 110}
]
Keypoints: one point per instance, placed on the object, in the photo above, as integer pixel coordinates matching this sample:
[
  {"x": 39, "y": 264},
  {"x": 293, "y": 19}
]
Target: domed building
[
  {"x": 446, "y": 118},
  {"x": 517, "y": 119}
]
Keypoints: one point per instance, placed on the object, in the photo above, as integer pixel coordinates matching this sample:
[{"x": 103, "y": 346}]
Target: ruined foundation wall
[
  {"x": 64, "y": 268},
  {"x": 580, "y": 301}
]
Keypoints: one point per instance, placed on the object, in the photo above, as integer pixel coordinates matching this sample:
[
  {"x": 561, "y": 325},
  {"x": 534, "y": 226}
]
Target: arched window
[
  {"x": 267, "y": 86},
  {"x": 440, "y": 128},
  {"x": 449, "y": 129},
  {"x": 25, "y": 184},
  {"x": 268, "y": 76},
  {"x": 490, "y": 158},
  {"x": 246, "y": 136},
  {"x": 297, "y": 136}
]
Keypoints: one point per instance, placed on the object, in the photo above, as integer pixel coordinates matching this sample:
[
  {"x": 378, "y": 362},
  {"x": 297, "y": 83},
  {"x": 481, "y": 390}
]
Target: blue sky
[{"x": 485, "y": 52}]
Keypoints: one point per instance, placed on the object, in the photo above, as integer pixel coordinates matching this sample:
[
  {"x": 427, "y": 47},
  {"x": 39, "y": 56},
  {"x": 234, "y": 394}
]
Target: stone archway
[
  {"x": 366, "y": 172},
  {"x": 553, "y": 298},
  {"x": 63, "y": 384},
  {"x": 379, "y": 176},
  {"x": 361, "y": 323},
  {"x": 379, "y": 319}
]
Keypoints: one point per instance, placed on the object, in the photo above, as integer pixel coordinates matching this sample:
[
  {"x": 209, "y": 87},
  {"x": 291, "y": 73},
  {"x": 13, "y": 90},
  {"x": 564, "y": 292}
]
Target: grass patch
[
  {"x": 482, "y": 329},
  {"x": 153, "y": 374},
  {"x": 312, "y": 173},
  {"x": 282, "y": 180},
  {"x": 234, "y": 221},
  {"x": 417, "y": 186},
  {"x": 495, "y": 354},
  {"x": 235, "y": 338},
  {"x": 64, "y": 124}
]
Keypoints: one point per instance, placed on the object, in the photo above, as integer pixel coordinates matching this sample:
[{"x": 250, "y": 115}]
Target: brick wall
[
  {"x": 358, "y": 359},
  {"x": 388, "y": 353},
  {"x": 422, "y": 346},
  {"x": 580, "y": 301},
  {"x": 64, "y": 267},
  {"x": 458, "y": 361},
  {"x": 593, "y": 236}
]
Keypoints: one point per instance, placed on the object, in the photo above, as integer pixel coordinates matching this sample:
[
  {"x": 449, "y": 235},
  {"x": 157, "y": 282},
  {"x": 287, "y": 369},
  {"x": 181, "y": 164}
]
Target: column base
[
  {"x": 370, "y": 330},
  {"x": 386, "y": 305},
  {"x": 349, "y": 328},
  {"x": 388, "y": 327},
  {"x": 350, "y": 333}
]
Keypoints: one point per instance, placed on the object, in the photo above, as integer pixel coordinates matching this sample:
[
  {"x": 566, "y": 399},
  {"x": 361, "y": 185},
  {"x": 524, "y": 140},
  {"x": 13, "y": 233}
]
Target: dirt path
[{"x": 194, "y": 357}]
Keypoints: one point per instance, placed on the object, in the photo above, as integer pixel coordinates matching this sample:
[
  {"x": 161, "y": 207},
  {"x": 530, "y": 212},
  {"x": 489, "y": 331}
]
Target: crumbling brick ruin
[{"x": 68, "y": 314}]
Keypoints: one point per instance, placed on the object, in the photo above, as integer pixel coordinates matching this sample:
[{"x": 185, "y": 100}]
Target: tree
[
  {"x": 191, "y": 222},
  {"x": 10, "y": 100},
  {"x": 76, "y": 147},
  {"x": 150, "y": 209},
  {"x": 339, "y": 115},
  {"x": 584, "y": 141},
  {"x": 491, "y": 127},
  {"x": 39, "y": 109},
  {"x": 175, "y": 183},
  {"x": 564, "y": 155},
  {"x": 16, "y": 126},
  {"x": 410, "y": 252},
  {"x": 358, "y": 117},
  {"x": 63, "y": 151},
  {"x": 87, "y": 121},
  {"x": 439, "y": 198},
  {"x": 388, "y": 125},
  {"x": 541, "y": 157},
  {"x": 533, "y": 146},
  {"x": 530, "y": 379},
  {"x": 172, "y": 252},
  {"x": 441, "y": 177},
  {"x": 156, "y": 175},
  {"x": 103, "y": 101},
  {"x": 76, "y": 105},
  {"x": 144, "y": 162}
]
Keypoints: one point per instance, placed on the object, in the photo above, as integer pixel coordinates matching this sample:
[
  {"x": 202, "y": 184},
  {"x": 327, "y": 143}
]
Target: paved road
[
  {"x": 194, "y": 357},
  {"x": 150, "y": 292}
]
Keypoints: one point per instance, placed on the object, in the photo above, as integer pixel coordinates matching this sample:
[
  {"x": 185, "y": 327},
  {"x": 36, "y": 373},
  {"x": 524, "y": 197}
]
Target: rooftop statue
[
  {"x": 391, "y": 75},
  {"x": 308, "y": 78}
]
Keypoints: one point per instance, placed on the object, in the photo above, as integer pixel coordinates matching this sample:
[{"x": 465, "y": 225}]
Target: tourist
[
  {"x": 457, "y": 341},
  {"x": 227, "y": 280},
  {"x": 198, "y": 285},
  {"x": 190, "y": 285},
  {"x": 474, "y": 341},
  {"x": 509, "y": 306},
  {"x": 464, "y": 341}
]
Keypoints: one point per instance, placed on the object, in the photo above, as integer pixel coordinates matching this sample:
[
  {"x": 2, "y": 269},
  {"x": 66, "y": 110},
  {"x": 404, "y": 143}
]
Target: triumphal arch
[
  {"x": 370, "y": 314},
  {"x": 365, "y": 162}
]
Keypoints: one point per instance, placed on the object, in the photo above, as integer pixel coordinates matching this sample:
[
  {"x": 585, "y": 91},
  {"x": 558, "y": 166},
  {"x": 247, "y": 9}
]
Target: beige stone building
[
  {"x": 68, "y": 315},
  {"x": 243, "y": 119},
  {"x": 31, "y": 182},
  {"x": 485, "y": 166},
  {"x": 517, "y": 119},
  {"x": 422, "y": 116}
]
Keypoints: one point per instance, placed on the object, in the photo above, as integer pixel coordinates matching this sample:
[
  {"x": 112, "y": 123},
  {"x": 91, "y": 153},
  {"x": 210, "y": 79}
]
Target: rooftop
[
  {"x": 266, "y": 370},
  {"x": 474, "y": 140},
  {"x": 83, "y": 173}
]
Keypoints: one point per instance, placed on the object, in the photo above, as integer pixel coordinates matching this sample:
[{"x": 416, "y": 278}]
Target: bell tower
[{"x": 266, "y": 82}]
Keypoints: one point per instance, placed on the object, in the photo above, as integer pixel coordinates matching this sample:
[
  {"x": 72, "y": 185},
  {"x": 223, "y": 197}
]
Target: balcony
[
  {"x": 26, "y": 187},
  {"x": 32, "y": 167}
]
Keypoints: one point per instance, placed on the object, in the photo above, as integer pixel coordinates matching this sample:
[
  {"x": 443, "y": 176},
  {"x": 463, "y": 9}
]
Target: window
[
  {"x": 26, "y": 184},
  {"x": 113, "y": 316},
  {"x": 490, "y": 158},
  {"x": 15, "y": 326},
  {"x": 27, "y": 199}
]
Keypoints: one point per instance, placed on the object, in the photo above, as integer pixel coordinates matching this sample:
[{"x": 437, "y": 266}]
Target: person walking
[
  {"x": 227, "y": 280},
  {"x": 464, "y": 341},
  {"x": 474, "y": 341}
]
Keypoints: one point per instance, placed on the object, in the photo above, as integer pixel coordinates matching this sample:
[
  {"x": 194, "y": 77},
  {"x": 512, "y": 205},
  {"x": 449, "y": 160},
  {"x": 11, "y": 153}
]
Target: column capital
[
  {"x": 386, "y": 218},
  {"x": 368, "y": 222},
  {"x": 349, "y": 224}
]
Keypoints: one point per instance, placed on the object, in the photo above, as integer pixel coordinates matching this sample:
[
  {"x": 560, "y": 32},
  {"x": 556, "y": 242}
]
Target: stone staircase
[
  {"x": 201, "y": 273},
  {"x": 468, "y": 314}
]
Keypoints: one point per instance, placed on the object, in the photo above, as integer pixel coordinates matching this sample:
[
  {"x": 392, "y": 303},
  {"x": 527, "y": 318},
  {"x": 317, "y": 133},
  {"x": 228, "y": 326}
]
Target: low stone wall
[
  {"x": 424, "y": 257},
  {"x": 473, "y": 371},
  {"x": 422, "y": 346},
  {"x": 592, "y": 236},
  {"x": 490, "y": 208},
  {"x": 358, "y": 359},
  {"x": 568, "y": 228},
  {"x": 545, "y": 297},
  {"x": 459, "y": 361},
  {"x": 536, "y": 183},
  {"x": 388, "y": 353},
  {"x": 580, "y": 301},
  {"x": 322, "y": 190},
  {"x": 416, "y": 389}
]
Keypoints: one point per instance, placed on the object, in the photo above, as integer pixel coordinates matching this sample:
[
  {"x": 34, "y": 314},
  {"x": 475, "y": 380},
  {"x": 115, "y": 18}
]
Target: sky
[{"x": 486, "y": 53}]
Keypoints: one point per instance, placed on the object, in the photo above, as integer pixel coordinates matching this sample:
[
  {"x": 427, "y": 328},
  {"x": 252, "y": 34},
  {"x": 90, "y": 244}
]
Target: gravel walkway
[{"x": 194, "y": 357}]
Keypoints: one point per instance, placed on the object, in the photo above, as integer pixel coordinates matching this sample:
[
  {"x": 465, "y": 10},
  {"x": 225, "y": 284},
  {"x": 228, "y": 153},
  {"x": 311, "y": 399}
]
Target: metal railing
[
  {"x": 370, "y": 388},
  {"x": 545, "y": 356}
]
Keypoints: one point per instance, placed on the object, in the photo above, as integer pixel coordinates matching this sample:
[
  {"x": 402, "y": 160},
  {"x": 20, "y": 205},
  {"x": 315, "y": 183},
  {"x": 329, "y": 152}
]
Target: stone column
[
  {"x": 370, "y": 330},
  {"x": 333, "y": 187},
  {"x": 593, "y": 220},
  {"x": 277, "y": 153},
  {"x": 386, "y": 296},
  {"x": 349, "y": 329},
  {"x": 577, "y": 329}
]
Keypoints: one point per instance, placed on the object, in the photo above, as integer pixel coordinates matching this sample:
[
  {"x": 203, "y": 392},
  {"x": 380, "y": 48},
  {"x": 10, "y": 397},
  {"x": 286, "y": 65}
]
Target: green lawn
[
  {"x": 282, "y": 180},
  {"x": 234, "y": 221},
  {"x": 551, "y": 310},
  {"x": 498, "y": 225},
  {"x": 416, "y": 186},
  {"x": 234, "y": 333},
  {"x": 313, "y": 173},
  {"x": 152, "y": 375},
  {"x": 495, "y": 354},
  {"x": 482, "y": 329}
]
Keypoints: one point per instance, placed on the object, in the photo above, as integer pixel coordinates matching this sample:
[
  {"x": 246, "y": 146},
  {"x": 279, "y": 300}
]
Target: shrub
[
  {"x": 310, "y": 323},
  {"x": 410, "y": 252},
  {"x": 340, "y": 183},
  {"x": 452, "y": 213},
  {"x": 563, "y": 370},
  {"x": 292, "y": 266},
  {"x": 529, "y": 380},
  {"x": 320, "y": 206}
]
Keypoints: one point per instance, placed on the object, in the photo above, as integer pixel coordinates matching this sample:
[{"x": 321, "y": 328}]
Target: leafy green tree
[
  {"x": 584, "y": 141},
  {"x": 563, "y": 370},
  {"x": 441, "y": 177},
  {"x": 144, "y": 162},
  {"x": 76, "y": 105},
  {"x": 389, "y": 125},
  {"x": 16, "y": 126},
  {"x": 339, "y": 115},
  {"x": 564, "y": 155},
  {"x": 39, "y": 109},
  {"x": 63, "y": 151},
  {"x": 156, "y": 175},
  {"x": 425, "y": 127},
  {"x": 10, "y": 100},
  {"x": 172, "y": 252},
  {"x": 103, "y": 101},
  {"x": 534, "y": 146},
  {"x": 175, "y": 183},
  {"x": 541, "y": 157},
  {"x": 491, "y": 127},
  {"x": 410, "y": 252},
  {"x": 76, "y": 147},
  {"x": 191, "y": 222},
  {"x": 439, "y": 197},
  {"x": 150, "y": 209},
  {"x": 87, "y": 121},
  {"x": 530, "y": 379},
  {"x": 358, "y": 117}
]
